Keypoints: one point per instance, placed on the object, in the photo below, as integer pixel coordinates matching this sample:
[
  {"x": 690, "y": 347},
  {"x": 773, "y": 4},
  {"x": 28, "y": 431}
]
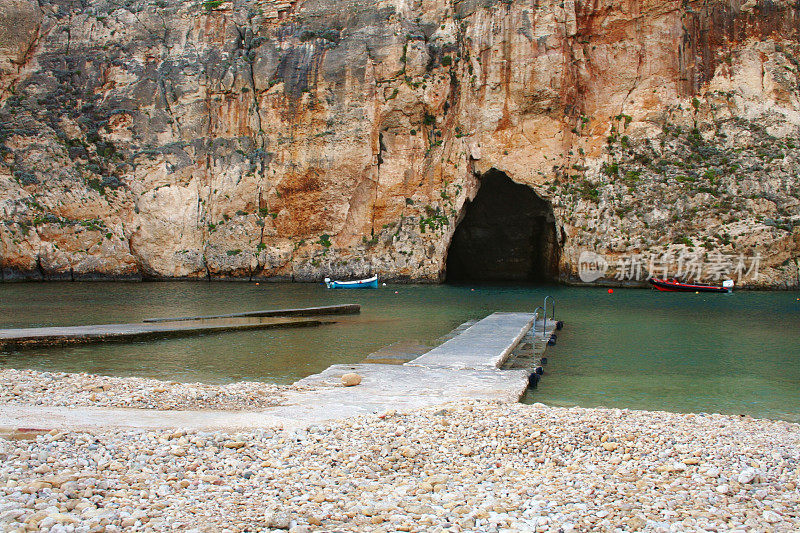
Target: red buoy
[{"x": 610, "y": 291}]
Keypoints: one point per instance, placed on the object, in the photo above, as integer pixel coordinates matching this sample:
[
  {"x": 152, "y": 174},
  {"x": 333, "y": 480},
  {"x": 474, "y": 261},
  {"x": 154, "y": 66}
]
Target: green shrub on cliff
[
  {"x": 610, "y": 169},
  {"x": 588, "y": 191},
  {"x": 210, "y": 5}
]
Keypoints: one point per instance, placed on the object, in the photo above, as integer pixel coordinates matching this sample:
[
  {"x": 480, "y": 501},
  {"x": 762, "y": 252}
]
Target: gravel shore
[
  {"x": 31, "y": 387},
  {"x": 471, "y": 466}
]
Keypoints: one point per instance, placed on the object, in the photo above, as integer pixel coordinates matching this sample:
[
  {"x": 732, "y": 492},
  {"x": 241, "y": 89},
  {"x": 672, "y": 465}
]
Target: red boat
[{"x": 676, "y": 286}]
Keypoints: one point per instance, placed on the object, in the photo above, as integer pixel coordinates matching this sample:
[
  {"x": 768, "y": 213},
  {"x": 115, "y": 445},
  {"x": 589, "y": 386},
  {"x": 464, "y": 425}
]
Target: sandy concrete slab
[
  {"x": 403, "y": 388},
  {"x": 383, "y": 388},
  {"x": 39, "y": 417}
]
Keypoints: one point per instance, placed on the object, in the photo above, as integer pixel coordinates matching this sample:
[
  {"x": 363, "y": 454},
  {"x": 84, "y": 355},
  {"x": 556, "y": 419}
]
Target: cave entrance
[{"x": 507, "y": 233}]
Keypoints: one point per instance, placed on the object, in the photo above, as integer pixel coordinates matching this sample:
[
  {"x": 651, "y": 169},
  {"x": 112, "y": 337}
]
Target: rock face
[{"x": 299, "y": 139}]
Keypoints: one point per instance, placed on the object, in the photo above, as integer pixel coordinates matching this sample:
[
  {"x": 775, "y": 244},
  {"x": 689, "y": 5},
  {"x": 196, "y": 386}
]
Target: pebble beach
[
  {"x": 29, "y": 387},
  {"x": 467, "y": 466}
]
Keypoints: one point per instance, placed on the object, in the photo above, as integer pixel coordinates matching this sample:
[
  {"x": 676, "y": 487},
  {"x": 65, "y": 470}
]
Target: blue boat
[{"x": 369, "y": 283}]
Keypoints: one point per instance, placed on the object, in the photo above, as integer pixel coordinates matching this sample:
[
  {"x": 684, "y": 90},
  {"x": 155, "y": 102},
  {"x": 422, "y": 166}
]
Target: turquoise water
[{"x": 638, "y": 349}]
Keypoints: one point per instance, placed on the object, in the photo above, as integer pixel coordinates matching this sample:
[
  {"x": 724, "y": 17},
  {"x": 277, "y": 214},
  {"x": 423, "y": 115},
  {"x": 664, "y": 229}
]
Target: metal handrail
[
  {"x": 553, "y": 313},
  {"x": 544, "y": 322}
]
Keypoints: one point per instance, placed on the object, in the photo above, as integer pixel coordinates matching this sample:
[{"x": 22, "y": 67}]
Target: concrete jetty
[
  {"x": 484, "y": 345},
  {"x": 490, "y": 359},
  {"x": 11, "y": 339},
  {"x": 344, "y": 309},
  {"x": 158, "y": 328}
]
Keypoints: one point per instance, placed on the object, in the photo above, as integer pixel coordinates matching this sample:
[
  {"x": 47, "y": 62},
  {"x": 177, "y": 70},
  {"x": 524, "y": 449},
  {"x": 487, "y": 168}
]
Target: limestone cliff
[{"x": 299, "y": 139}]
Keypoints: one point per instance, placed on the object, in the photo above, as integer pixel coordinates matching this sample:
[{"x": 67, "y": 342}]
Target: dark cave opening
[{"x": 508, "y": 233}]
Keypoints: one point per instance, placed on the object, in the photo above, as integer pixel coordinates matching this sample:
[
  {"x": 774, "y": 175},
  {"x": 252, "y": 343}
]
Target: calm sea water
[{"x": 638, "y": 349}]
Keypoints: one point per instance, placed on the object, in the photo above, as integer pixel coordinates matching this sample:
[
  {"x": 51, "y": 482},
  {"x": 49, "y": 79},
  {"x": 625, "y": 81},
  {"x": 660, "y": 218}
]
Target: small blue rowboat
[{"x": 369, "y": 283}]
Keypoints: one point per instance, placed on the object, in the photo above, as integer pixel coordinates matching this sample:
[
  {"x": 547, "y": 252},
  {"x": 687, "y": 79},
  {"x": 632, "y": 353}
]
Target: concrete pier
[
  {"x": 155, "y": 328},
  {"x": 344, "y": 309},
  {"x": 485, "y": 345},
  {"x": 490, "y": 360},
  {"x": 11, "y": 339}
]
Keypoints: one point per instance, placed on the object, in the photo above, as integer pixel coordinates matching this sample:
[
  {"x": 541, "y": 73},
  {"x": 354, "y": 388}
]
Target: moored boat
[
  {"x": 677, "y": 286},
  {"x": 368, "y": 283}
]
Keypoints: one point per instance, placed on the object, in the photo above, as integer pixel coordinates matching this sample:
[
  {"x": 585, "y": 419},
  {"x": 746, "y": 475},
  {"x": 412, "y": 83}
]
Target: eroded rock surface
[{"x": 299, "y": 139}]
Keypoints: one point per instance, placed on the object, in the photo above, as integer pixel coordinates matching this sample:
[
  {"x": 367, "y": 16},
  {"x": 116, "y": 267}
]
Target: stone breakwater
[
  {"x": 29, "y": 387},
  {"x": 471, "y": 466}
]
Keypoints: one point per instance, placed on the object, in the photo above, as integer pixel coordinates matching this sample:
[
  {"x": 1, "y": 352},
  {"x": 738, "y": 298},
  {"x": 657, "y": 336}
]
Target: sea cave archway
[{"x": 507, "y": 233}]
